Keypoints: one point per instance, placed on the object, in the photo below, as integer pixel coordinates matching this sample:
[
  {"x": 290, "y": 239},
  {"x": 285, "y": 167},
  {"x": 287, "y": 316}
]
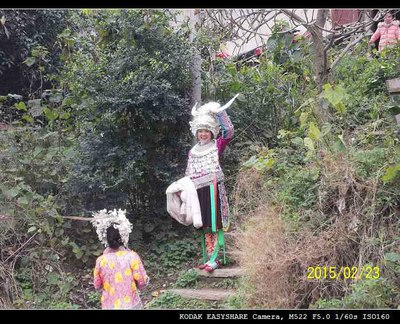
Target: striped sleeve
[
  {"x": 226, "y": 125},
  {"x": 227, "y": 131}
]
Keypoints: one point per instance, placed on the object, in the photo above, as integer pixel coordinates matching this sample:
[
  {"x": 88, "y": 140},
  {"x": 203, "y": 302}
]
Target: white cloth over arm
[{"x": 186, "y": 208}]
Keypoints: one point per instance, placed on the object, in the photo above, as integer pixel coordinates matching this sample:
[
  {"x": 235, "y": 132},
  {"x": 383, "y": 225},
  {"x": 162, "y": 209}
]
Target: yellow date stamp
[{"x": 343, "y": 272}]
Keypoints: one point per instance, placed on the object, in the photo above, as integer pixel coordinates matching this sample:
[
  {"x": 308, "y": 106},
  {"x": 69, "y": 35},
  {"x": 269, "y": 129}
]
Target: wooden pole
[
  {"x": 69, "y": 217},
  {"x": 78, "y": 218}
]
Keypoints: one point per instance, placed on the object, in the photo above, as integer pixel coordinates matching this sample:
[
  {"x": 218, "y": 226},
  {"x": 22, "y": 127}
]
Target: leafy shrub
[
  {"x": 298, "y": 187},
  {"x": 170, "y": 300},
  {"x": 369, "y": 162},
  {"x": 187, "y": 278},
  {"x": 128, "y": 83},
  {"x": 23, "y": 32},
  {"x": 171, "y": 255},
  {"x": 364, "y": 294}
]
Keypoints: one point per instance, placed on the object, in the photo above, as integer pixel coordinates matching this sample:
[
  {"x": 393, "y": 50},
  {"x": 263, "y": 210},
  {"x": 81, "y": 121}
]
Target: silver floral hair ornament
[
  {"x": 204, "y": 116},
  {"x": 103, "y": 219}
]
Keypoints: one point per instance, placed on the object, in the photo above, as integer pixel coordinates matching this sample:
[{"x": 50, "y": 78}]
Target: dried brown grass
[
  {"x": 9, "y": 289},
  {"x": 247, "y": 194},
  {"x": 261, "y": 244},
  {"x": 275, "y": 262}
]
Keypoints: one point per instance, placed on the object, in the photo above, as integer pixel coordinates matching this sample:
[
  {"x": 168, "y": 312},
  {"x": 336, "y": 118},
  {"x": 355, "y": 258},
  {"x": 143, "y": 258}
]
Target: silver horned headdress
[
  {"x": 103, "y": 219},
  {"x": 204, "y": 117}
]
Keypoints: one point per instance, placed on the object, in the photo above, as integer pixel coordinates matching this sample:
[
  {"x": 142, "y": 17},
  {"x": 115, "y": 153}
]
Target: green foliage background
[{"x": 96, "y": 116}]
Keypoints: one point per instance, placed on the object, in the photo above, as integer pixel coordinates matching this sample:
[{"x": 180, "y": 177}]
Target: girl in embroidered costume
[
  {"x": 205, "y": 171},
  {"x": 119, "y": 272}
]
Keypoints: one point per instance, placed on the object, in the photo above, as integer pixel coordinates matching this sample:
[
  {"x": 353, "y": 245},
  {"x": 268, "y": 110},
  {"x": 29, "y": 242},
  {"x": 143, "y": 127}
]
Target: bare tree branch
[
  {"x": 348, "y": 47},
  {"x": 21, "y": 247},
  {"x": 243, "y": 26},
  {"x": 294, "y": 16}
]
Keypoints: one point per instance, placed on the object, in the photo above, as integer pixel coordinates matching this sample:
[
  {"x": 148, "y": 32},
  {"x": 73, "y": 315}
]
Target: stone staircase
[
  {"x": 393, "y": 86},
  {"x": 215, "y": 294},
  {"x": 217, "y": 286}
]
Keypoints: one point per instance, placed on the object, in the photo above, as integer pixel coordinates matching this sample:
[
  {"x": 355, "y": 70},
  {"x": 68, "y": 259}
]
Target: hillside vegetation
[{"x": 97, "y": 117}]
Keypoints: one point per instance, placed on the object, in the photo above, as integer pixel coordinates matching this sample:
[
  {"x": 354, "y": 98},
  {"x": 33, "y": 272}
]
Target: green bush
[
  {"x": 169, "y": 300},
  {"x": 365, "y": 293},
  {"x": 298, "y": 187},
  {"x": 369, "y": 162},
  {"x": 187, "y": 279},
  {"x": 129, "y": 85},
  {"x": 172, "y": 255}
]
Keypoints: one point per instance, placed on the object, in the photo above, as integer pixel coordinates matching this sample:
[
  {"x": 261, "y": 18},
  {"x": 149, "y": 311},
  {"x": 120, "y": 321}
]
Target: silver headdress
[
  {"x": 103, "y": 219},
  {"x": 204, "y": 116}
]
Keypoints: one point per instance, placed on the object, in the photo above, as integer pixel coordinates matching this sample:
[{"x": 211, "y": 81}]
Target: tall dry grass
[{"x": 276, "y": 261}]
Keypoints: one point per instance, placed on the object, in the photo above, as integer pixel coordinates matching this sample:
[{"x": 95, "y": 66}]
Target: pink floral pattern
[{"x": 120, "y": 274}]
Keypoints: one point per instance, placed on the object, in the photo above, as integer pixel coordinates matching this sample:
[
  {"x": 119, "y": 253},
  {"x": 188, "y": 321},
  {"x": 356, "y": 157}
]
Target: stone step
[
  {"x": 203, "y": 293},
  {"x": 222, "y": 273},
  {"x": 393, "y": 85}
]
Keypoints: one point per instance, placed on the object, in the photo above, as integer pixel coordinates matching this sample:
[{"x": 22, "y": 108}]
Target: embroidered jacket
[{"x": 204, "y": 165}]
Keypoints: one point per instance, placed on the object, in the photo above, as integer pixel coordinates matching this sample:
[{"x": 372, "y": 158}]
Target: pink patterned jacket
[
  {"x": 120, "y": 273},
  {"x": 388, "y": 34}
]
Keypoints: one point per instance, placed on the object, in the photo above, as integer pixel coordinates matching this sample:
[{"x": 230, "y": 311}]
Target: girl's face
[
  {"x": 388, "y": 18},
  {"x": 204, "y": 136}
]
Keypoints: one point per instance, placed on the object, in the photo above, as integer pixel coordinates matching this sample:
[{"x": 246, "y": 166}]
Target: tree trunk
[
  {"x": 321, "y": 62},
  {"x": 195, "y": 66}
]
